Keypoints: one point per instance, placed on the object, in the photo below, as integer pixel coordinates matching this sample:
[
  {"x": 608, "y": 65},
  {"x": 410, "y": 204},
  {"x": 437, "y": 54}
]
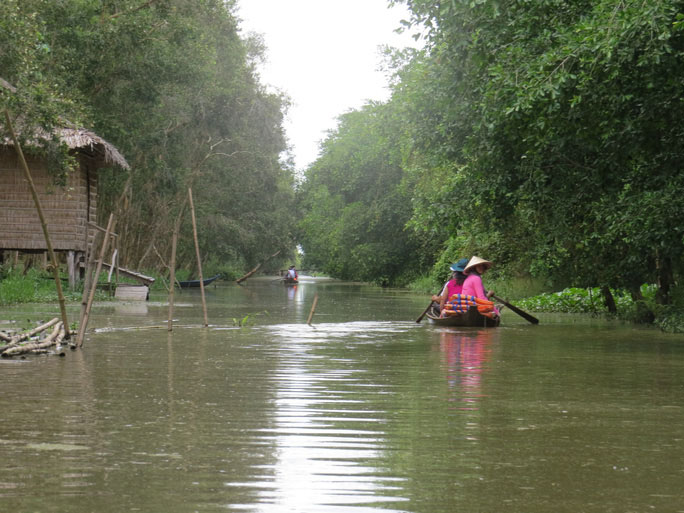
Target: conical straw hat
[{"x": 476, "y": 260}]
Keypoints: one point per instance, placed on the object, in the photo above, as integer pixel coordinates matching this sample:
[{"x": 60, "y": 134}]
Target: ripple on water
[{"x": 330, "y": 441}]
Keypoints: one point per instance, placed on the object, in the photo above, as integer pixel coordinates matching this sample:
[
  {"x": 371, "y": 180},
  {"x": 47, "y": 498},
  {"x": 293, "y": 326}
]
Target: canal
[{"x": 362, "y": 411}]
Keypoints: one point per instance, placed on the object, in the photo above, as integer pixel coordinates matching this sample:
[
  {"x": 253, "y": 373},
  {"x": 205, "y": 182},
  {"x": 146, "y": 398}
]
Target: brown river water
[{"x": 362, "y": 411}]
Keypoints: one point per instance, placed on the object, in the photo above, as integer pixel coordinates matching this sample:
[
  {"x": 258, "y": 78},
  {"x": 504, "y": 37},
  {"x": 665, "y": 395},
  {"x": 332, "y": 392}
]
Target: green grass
[
  {"x": 425, "y": 284},
  {"x": 34, "y": 287}
]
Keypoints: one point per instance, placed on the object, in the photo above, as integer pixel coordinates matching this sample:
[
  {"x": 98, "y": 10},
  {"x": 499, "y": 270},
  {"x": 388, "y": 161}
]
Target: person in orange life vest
[
  {"x": 472, "y": 286},
  {"x": 454, "y": 285}
]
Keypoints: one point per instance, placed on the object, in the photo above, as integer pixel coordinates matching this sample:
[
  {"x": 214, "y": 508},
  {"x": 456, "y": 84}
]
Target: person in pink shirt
[
  {"x": 454, "y": 285},
  {"x": 472, "y": 286}
]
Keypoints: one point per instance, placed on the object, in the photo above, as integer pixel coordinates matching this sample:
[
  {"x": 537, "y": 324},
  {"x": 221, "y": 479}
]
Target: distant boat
[
  {"x": 290, "y": 281},
  {"x": 188, "y": 284}
]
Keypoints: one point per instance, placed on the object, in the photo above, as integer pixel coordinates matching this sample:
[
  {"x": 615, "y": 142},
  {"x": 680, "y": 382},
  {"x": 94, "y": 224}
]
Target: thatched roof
[
  {"x": 85, "y": 140},
  {"x": 78, "y": 139}
]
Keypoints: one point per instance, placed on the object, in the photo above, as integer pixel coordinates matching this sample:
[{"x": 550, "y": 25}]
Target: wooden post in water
[
  {"x": 71, "y": 268},
  {"x": 93, "y": 285},
  {"x": 87, "y": 279},
  {"x": 172, "y": 277},
  {"x": 36, "y": 200},
  {"x": 199, "y": 260},
  {"x": 313, "y": 309},
  {"x": 172, "y": 264}
]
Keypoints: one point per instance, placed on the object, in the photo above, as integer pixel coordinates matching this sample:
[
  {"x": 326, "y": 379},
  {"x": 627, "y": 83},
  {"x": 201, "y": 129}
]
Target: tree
[
  {"x": 559, "y": 121},
  {"x": 173, "y": 85},
  {"x": 356, "y": 205}
]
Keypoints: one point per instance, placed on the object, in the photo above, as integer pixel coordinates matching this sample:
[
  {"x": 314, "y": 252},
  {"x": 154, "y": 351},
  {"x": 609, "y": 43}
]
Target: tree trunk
[
  {"x": 608, "y": 299},
  {"x": 665, "y": 279}
]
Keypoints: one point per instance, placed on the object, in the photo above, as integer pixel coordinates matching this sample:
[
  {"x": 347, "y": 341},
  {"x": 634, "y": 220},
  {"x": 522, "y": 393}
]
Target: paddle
[
  {"x": 426, "y": 310},
  {"x": 517, "y": 310}
]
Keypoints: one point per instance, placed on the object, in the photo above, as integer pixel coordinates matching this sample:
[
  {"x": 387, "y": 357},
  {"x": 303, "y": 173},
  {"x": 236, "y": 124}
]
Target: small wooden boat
[
  {"x": 471, "y": 318},
  {"x": 290, "y": 281},
  {"x": 196, "y": 283}
]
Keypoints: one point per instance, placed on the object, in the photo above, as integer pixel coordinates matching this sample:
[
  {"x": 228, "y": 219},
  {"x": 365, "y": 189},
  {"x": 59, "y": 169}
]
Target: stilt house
[{"x": 68, "y": 209}]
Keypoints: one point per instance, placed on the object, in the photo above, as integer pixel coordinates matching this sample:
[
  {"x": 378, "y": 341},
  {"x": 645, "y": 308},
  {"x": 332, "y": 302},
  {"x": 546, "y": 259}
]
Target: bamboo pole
[
  {"x": 102, "y": 230},
  {"x": 313, "y": 309},
  {"x": 172, "y": 264},
  {"x": 36, "y": 200},
  {"x": 88, "y": 277},
  {"x": 199, "y": 260},
  {"x": 15, "y": 340},
  {"x": 172, "y": 277},
  {"x": 54, "y": 338},
  {"x": 93, "y": 285},
  {"x": 28, "y": 334}
]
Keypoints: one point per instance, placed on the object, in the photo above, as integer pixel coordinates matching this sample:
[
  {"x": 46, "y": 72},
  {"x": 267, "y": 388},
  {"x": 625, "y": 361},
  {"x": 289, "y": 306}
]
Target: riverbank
[
  {"x": 36, "y": 287},
  {"x": 530, "y": 295}
]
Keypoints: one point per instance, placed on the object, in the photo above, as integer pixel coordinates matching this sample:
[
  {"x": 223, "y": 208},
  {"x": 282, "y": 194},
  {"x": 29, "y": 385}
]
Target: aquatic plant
[
  {"x": 574, "y": 300},
  {"x": 246, "y": 320}
]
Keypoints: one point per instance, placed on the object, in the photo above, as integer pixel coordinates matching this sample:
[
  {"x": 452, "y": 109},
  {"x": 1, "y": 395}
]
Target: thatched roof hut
[{"x": 67, "y": 209}]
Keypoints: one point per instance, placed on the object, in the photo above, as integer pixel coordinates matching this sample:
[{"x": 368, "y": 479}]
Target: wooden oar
[
  {"x": 517, "y": 310},
  {"x": 427, "y": 309},
  {"x": 424, "y": 312}
]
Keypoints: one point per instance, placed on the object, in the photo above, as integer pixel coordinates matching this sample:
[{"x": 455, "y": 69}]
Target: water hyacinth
[{"x": 575, "y": 300}]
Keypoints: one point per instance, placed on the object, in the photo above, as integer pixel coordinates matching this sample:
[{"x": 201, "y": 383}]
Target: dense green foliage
[
  {"x": 545, "y": 136},
  {"x": 590, "y": 301},
  {"x": 564, "y": 135},
  {"x": 172, "y": 84},
  {"x": 355, "y": 207}
]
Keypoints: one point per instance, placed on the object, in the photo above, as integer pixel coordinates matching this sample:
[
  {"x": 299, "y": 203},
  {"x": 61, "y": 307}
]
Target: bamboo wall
[{"x": 67, "y": 210}]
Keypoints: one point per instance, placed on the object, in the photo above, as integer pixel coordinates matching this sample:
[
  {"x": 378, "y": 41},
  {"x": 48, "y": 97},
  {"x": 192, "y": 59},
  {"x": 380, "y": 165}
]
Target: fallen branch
[{"x": 250, "y": 273}]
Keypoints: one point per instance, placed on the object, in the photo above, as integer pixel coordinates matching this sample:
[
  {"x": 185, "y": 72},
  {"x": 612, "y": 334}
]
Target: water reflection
[
  {"x": 464, "y": 358},
  {"x": 327, "y": 439},
  {"x": 131, "y": 308},
  {"x": 291, "y": 292}
]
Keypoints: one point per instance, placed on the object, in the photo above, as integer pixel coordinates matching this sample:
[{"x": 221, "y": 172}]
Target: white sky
[{"x": 325, "y": 55}]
